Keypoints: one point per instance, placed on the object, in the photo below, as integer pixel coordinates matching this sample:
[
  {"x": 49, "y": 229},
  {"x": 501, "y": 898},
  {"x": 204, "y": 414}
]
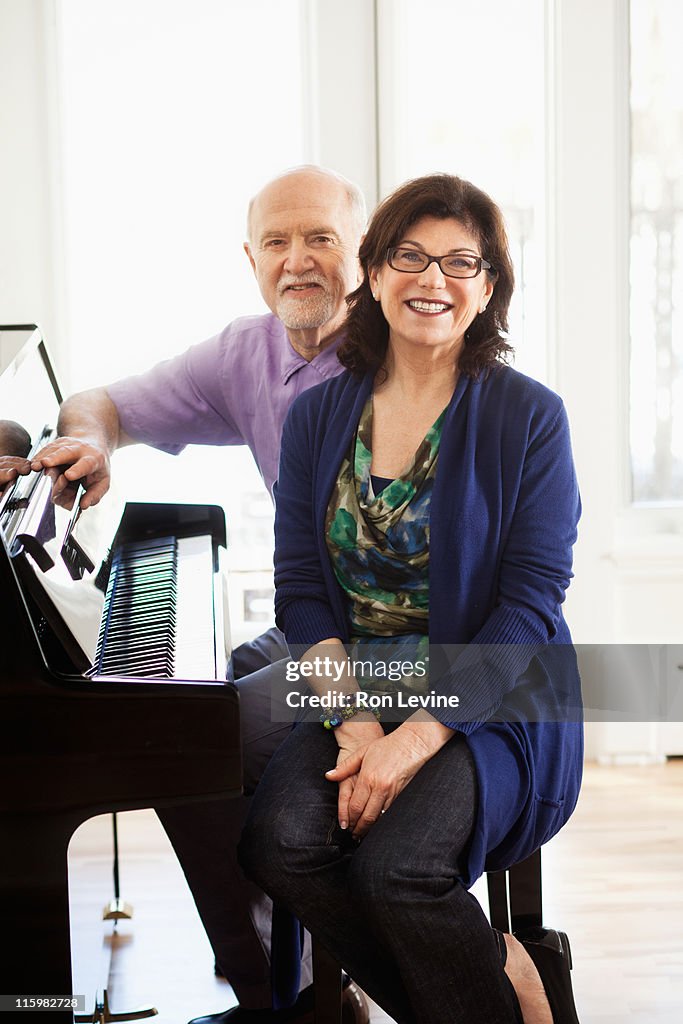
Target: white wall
[{"x": 30, "y": 266}]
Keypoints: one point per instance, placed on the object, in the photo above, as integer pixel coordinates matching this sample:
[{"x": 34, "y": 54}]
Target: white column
[
  {"x": 588, "y": 264},
  {"x": 30, "y": 278},
  {"x": 341, "y": 45}
]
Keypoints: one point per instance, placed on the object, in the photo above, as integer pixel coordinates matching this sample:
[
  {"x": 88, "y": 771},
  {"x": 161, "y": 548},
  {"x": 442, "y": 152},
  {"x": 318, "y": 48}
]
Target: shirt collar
[{"x": 325, "y": 363}]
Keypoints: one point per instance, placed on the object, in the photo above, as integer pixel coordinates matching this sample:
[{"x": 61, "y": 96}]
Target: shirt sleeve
[{"x": 184, "y": 400}]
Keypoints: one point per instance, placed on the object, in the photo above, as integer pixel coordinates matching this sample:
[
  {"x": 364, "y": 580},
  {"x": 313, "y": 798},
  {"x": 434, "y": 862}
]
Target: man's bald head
[
  {"x": 313, "y": 178},
  {"x": 305, "y": 228}
]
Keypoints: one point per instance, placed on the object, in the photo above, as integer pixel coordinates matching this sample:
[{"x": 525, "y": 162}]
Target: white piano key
[{"x": 195, "y": 653}]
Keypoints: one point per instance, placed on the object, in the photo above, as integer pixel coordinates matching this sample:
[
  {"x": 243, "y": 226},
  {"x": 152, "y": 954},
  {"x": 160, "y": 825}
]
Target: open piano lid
[{"x": 59, "y": 555}]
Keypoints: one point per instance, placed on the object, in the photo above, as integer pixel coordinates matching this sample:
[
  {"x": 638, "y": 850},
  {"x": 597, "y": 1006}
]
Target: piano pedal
[
  {"x": 117, "y": 910},
  {"x": 102, "y": 1014}
]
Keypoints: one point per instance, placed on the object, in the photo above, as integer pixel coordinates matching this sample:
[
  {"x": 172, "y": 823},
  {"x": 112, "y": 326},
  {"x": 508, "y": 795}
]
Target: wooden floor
[{"x": 613, "y": 879}]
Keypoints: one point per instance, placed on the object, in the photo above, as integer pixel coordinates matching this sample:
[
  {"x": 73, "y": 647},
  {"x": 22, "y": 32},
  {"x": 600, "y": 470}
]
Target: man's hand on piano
[
  {"x": 71, "y": 461},
  {"x": 10, "y": 468}
]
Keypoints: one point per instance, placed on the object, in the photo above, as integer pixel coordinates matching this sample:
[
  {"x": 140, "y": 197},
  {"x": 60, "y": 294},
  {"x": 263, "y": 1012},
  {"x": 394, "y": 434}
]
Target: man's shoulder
[
  {"x": 246, "y": 345},
  {"x": 264, "y": 329}
]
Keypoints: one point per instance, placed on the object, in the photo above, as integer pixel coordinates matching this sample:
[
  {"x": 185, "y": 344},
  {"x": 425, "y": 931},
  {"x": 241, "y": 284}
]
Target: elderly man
[{"x": 304, "y": 229}]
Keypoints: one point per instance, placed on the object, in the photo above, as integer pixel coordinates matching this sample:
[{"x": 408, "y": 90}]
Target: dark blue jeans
[{"x": 391, "y": 908}]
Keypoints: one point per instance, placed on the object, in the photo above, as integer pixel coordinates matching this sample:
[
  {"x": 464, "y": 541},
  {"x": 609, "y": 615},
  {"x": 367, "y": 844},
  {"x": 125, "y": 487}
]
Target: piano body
[{"x": 105, "y": 702}]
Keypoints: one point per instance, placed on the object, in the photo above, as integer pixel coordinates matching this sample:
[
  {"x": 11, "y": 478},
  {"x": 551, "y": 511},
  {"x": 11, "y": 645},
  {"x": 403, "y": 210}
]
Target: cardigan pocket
[{"x": 550, "y": 817}]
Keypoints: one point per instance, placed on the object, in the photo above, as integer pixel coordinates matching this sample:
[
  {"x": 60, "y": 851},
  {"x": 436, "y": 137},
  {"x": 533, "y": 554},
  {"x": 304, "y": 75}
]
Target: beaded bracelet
[{"x": 331, "y": 719}]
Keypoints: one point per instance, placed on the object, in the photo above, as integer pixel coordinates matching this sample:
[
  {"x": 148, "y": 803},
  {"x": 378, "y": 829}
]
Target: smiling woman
[{"x": 426, "y": 497}]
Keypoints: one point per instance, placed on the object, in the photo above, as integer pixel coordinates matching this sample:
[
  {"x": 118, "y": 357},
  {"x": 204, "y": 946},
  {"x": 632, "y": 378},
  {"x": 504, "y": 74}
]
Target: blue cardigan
[{"x": 503, "y": 518}]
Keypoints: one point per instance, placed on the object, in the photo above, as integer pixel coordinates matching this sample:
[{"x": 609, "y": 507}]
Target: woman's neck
[{"x": 424, "y": 376}]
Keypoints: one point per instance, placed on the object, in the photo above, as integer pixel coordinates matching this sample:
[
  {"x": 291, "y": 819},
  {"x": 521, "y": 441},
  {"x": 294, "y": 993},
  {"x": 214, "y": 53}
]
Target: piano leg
[{"x": 34, "y": 898}]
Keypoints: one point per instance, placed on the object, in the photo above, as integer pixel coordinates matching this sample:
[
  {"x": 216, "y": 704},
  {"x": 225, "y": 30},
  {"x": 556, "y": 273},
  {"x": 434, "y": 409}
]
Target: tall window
[
  {"x": 173, "y": 115},
  {"x": 656, "y": 250},
  {"x": 462, "y": 91}
]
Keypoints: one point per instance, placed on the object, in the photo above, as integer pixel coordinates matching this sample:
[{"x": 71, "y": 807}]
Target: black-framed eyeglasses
[{"x": 454, "y": 264}]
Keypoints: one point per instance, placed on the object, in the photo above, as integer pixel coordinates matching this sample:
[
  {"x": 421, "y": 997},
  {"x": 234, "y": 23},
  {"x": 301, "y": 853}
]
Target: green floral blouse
[{"x": 379, "y": 545}]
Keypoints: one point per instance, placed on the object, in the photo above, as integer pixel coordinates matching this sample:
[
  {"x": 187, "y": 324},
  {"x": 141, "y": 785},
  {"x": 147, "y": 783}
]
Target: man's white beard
[{"x": 300, "y": 314}]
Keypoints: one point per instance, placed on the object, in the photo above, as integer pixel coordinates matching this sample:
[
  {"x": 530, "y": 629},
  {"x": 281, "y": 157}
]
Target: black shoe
[
  {"x": 354, "y": 1010},
  {"x": 552, "y": 956}
]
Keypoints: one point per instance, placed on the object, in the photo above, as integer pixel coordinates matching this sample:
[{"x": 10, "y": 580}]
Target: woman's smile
[{"x": 424, "y": 307}]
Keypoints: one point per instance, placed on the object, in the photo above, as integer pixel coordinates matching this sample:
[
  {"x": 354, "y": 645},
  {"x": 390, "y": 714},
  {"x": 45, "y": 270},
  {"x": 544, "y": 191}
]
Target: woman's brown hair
[{"x": 434, "y": 195}]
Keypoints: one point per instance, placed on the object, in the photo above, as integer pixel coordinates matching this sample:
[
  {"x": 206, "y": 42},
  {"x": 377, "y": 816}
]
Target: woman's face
[{"x": 429, "y": 310}]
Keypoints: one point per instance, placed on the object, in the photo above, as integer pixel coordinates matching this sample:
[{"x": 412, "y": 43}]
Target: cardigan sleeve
[
  {"x": 302, "y": 607},
  {"x": 534, "y": 573}
]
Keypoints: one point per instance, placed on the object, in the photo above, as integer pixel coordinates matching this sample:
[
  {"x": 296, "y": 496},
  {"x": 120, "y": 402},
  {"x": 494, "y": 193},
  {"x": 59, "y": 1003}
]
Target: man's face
[{"x": 304, "y": 250}]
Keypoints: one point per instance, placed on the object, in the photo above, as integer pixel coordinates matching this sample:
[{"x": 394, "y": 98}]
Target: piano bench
[{"x": 515, "y": 899}]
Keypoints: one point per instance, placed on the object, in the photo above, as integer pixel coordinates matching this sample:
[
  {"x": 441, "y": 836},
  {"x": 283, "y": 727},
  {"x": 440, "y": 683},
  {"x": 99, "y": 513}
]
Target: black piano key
[{"x": 138, "y": 626}]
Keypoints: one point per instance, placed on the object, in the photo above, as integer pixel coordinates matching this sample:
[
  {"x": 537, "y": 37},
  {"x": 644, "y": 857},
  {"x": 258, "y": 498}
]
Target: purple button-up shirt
[{"x": 235, "y": 388}]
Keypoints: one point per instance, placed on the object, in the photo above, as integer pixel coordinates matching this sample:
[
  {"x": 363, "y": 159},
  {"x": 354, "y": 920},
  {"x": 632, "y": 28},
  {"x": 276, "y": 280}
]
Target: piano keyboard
[{"x": 158, "y": 619}]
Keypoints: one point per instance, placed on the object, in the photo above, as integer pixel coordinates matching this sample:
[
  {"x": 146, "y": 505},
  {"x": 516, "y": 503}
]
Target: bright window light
[
  {"x": 173, "y": 115},
  {"x": 470, "y": 102},
  {"x": 656, "y": 251}
]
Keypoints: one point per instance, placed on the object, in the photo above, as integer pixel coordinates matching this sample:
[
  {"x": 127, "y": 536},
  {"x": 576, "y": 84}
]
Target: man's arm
[{"x": 89, "y": 431}]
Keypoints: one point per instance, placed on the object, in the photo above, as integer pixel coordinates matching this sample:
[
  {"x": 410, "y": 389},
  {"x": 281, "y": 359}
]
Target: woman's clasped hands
[{"x": 373, "y": 768}]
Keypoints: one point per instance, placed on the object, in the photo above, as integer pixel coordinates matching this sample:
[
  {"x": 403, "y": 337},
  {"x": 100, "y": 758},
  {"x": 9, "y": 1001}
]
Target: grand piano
[{"x": 112, "y": 675}]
